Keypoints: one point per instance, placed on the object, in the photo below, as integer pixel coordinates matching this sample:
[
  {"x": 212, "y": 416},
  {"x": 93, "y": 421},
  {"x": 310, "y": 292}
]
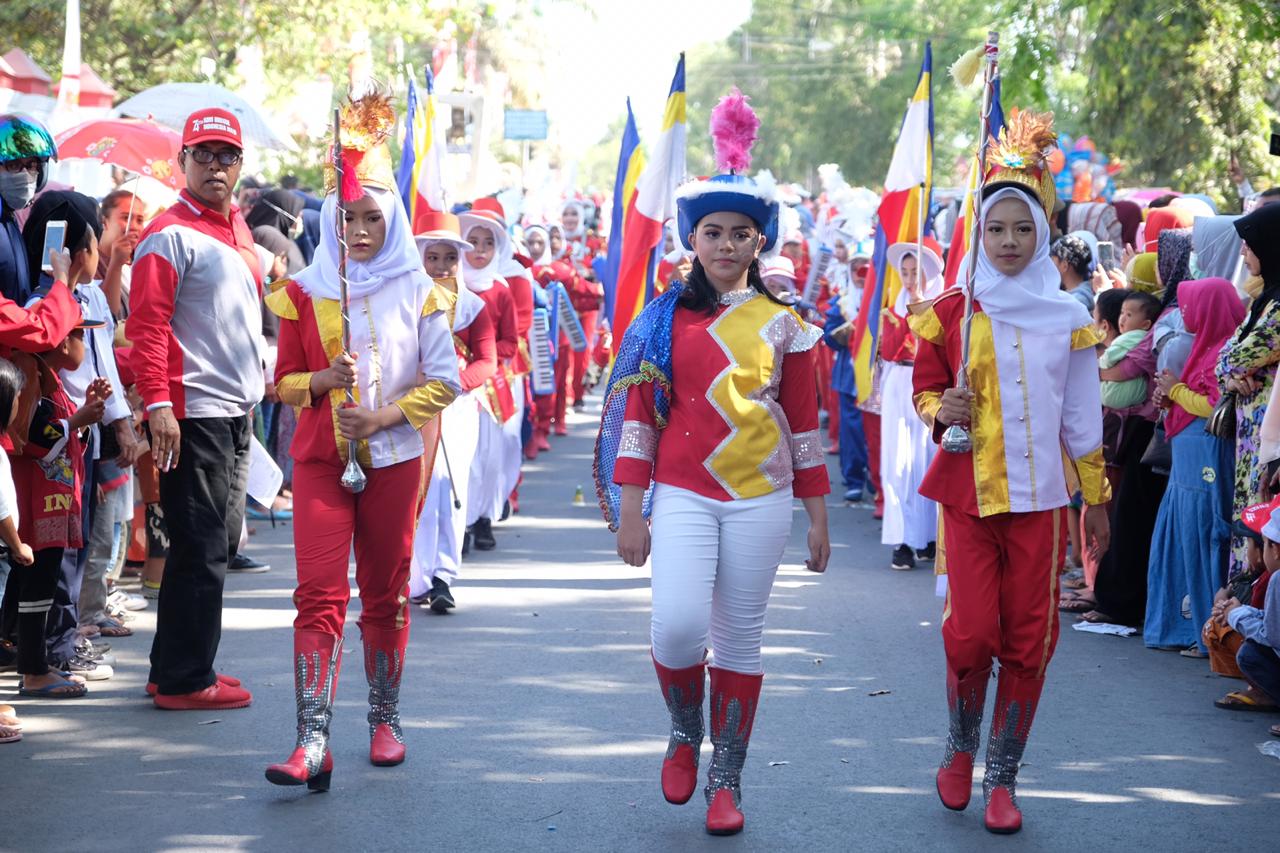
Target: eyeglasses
[
  {"x": 204, "y": 156},
  {"x": 22, "y": 164}
]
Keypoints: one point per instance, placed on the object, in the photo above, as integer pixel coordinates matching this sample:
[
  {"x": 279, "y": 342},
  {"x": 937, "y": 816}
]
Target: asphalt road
[{"x": 534, "y": 723}]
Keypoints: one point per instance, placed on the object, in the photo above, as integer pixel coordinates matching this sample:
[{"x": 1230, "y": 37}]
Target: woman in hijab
[
  {"x": 1129, "y": 214},
  {"x": 276, "y": 222},
  {"x": 1189, "y": 547},
  {"x": 401, "y": 365},
  {"x": 1032, "y": 360},
  {"x": 1120, "y": 589},
  {"x": 1247, "y": 364},
  {"x": 1216, "y": 247},
  {"x": 1163, "y": 218},
  {"x": 906, "y": 448}
]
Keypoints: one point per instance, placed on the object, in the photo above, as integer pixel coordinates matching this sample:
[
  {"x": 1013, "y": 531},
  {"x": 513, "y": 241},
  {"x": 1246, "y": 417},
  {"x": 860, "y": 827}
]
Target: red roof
[{"x": 17, "y": 64}]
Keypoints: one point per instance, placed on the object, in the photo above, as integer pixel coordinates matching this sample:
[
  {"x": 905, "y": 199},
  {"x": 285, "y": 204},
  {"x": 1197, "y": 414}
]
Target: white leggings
[{"x": 713, "y": 564}]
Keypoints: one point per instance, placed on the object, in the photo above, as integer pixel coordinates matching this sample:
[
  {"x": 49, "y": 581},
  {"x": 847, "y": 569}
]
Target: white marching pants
[
  {"x": 512, "y": 450},
  {"x": 713, "y": 564},
  {"x": 437, "y": 545},
  {"x": 485, "y": 469},
  {"x": 906, "y": 449}
]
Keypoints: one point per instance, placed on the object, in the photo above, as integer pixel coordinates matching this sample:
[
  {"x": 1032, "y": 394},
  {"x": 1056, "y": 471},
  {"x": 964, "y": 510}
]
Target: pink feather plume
[{"x": 733, "y": 131}]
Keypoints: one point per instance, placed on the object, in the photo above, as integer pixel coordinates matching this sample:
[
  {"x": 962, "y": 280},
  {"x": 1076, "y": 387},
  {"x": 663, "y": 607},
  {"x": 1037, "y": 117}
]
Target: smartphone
[
  {"x": 55, "y": 238},
  {"x": 1275, "y": 145},
  {"x": 1106, "y": 255}
]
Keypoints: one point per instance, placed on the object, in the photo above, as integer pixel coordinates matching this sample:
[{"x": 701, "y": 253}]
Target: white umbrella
[{"x": 171, "y": 103}]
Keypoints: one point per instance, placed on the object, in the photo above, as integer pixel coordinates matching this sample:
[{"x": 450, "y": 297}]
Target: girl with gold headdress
[
  {"x": 1033, "y": 406},
  {"x": 402, "y": 369}
]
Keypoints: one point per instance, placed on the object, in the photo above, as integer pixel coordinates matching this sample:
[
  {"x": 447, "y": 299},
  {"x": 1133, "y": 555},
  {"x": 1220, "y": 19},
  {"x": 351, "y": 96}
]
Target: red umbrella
[{"x": 137, "y": 145}]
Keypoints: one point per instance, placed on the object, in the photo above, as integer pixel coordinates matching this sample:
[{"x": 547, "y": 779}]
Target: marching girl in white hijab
[
  {"x": 437, "y": 551},
  {"x": 906, "y": 449},
  {"x": 496, "y": 468},
  {"x": 1033, "y": 410},
  {"x": 400, "y": 366}
]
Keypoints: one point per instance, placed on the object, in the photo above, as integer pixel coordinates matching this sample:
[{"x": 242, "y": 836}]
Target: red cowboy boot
[
  {"x": 384, "y": 650},
  {"x": 964, "y": 701},
  {"x": 734, "y": 697},
  {"x": 1016, "y": 701},
  {"x": 316, "y": 661},
  {"x": 683, "y": 690}
]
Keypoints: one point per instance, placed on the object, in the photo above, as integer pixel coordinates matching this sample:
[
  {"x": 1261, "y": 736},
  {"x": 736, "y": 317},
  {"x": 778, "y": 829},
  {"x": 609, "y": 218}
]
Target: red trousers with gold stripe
[
  {"x": 1002, "y": 590},
  {"x": 380, "y": 521}
]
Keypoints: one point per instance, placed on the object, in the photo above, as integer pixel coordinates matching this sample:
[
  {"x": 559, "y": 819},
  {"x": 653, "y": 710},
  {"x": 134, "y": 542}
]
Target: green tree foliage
[
  {"x": 1175, "y": 90},
  {"x": 831, "y": 80},
  {"x": 135, "y": 44}
]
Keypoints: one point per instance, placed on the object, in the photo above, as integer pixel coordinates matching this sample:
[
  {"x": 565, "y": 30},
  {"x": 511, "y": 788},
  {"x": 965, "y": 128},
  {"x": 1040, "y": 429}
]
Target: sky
[{"x": 635, "y": 45}]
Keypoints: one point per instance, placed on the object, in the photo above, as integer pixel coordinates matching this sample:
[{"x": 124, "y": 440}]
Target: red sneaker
[
  {"x": 229, "y": 680},
  {"x": 218, "y": 697}
]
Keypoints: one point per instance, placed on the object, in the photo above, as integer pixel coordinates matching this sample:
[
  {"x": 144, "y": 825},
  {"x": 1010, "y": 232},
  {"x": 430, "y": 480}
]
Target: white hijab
[
  {"x": 397, "y": 257},
  {"x": 545, "y": 258},
  {"x": 932, "y": 289},
  {"x": 478, "y": 280},
  {"x": 581, "y": 230},
  {"x": 1032, "y": 300}
]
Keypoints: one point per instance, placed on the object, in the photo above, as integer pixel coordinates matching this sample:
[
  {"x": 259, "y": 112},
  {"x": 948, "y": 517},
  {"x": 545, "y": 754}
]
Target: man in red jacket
[{"x": 196, "y": 328}]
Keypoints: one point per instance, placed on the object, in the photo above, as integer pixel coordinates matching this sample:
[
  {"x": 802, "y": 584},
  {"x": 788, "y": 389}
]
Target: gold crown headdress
[
  {"x": 366, "y": 123},
  {"x": 1020, "y": 156}
]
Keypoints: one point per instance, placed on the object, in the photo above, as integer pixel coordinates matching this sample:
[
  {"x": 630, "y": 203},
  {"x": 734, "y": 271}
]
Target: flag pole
[
  {"x": 353, "y": 477},
  {"x": 956, "y": 438}
]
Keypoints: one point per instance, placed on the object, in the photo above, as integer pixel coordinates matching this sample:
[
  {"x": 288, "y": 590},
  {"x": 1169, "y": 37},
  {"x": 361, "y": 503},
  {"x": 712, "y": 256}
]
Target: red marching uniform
[
  {"x": 406, "y": 371},
  {"x": 1036, "y": 429}
]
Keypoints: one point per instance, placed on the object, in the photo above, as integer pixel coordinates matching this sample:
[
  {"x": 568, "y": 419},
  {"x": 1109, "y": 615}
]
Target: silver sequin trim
[
  {"x": 965, "y": 703},
  {"x": 729, "y": 744},
  {"x": 1005, "y": 748},
  {"x": 639, "y": 441},
  {"x": 384, "y": 691},
  {"x": 313, "y": 683},
  {"x": 737, "y": 297},
  {"x": 806, "y": 449},
  {"x": 685, "y": 704}
]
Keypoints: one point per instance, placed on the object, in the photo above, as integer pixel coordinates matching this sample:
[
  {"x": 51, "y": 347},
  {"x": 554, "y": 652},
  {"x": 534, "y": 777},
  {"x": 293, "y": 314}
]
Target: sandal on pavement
[
  {"x": 112, "y": 628},
  {"x": 10, "y": 734},
  {"x": 1076, "y": 604},
  {"x": 64, "y": 689},
  {"x": 1239, "y": 701},
  {"x": 9, "y": 717},
  {"x": 1274, "y": 731}
]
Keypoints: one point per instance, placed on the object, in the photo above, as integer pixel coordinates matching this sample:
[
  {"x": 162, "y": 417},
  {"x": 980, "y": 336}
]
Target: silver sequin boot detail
[
  {"x": 383, "y": 667},
  {"x": 965, "y": 700},
  {"x": 683, "y": 691},
  {"x": 1015, "y": 708},
  {"x": 734, "y": 698},
  {"x": 316, "y": 661}
]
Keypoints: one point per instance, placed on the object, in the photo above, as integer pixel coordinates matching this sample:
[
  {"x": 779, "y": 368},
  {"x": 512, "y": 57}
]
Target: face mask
[{"x": 17, "y": 188}]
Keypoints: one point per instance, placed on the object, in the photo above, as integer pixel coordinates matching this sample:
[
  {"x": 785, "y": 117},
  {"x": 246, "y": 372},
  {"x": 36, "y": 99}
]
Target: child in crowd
[
  {"x": 48, "y": 472},
  {"x": 1138, "y": 311},
  {"x": 1250, "y": 585},
  {"x": 15, "y": 554},
  {"x": 1259, "y": 627}
]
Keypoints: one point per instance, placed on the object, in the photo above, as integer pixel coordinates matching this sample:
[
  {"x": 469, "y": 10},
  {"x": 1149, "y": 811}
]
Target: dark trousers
[
  {"x": 203, "y": 500},
  {"x": 27, "y": 600},
  {"x": 853, "y": 443},
  {"x": 1261, "y": 667},
  {"x": 64, "y": 616}
]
